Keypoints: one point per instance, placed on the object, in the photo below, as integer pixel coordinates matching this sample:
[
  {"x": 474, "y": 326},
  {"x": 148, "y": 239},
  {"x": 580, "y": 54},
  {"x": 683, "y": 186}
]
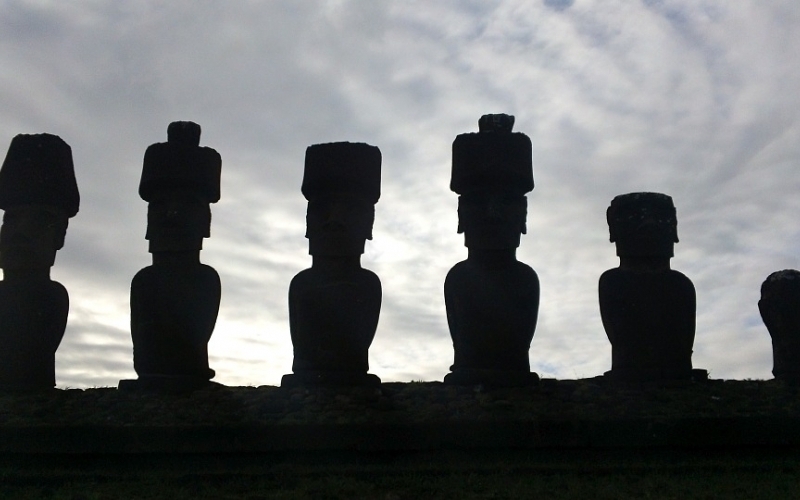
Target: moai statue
[
  {"x": 334, "y": 305},
  {"x": 780, "y": 298},
  {"x": 175, "y": 301},
  {"x": 39, "y": 195},
  {"x": 648, "y": 309},
  {"x": 492, "y": 299}
]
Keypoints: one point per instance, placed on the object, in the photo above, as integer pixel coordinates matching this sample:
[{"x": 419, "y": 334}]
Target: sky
[{"x": 697, "y": 99}]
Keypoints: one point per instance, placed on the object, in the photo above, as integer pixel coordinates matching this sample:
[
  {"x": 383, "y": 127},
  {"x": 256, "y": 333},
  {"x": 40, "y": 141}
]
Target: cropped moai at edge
[
  {"x": 38, "y": 195},
  {"x": 175, "y": 301},
  {"x": 492, "y": 299},
  {"x": 334, "y": 306},
  {"x": 780, "y": 311},
  {"x": 648, "y": 309}
]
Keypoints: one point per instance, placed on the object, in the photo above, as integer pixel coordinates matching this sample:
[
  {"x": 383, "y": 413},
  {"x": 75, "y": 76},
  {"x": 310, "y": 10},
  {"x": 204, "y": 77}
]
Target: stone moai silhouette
[
  {"x": 780, "y": 310},
  {"x": 648, "y": 309},
  {"x": 492, "y": 299},
  {"x": 334, "y": 306},
  {"x": 39, "y": 195},
  {"x": 175, "y": 301}
]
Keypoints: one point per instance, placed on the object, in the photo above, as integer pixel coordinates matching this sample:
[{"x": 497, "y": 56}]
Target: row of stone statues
[{"x": 492, "y": 299}]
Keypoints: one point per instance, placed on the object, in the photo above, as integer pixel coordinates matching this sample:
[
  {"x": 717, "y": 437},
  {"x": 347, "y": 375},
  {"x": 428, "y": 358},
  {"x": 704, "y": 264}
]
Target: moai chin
[
  {"x": 648, "y": 309},
  {"x": 39, "y": 195},
  {"x": 492, "y": 299},
  {"x": 780, "y": 298},
  {"x": 175, "y": 301},
  {"x": 334, "y": 306}
]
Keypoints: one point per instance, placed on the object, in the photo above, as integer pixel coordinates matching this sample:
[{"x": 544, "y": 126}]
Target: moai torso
[
  {"x": 33, "y": 316},
  {"x": 780, "y": 309},
  {"x": 333, "y": 315},
  {"x": 492, "y": 306},
  {"x": 650, "y": 321},
  {"x": 39, "y": 194},
  {"x": 173, "y": 312},
  {"x": 334, "y": 306},
  {"x": 648, "y": 309},
  {"x": 492, "y": 299},
  {"x": 175, "y": 301}
]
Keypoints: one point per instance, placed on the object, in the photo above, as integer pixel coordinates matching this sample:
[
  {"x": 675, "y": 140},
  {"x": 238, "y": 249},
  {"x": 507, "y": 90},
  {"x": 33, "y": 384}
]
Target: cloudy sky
[{"x": 697, "y": 99}]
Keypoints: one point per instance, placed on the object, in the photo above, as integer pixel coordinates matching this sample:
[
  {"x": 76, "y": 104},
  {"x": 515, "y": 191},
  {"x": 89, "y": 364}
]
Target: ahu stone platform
[{"x": 403, "y": 417}]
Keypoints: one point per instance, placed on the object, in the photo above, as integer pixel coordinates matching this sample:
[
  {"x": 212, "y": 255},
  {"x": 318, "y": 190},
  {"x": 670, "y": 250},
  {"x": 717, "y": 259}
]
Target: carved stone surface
[
  {"x": 39, "y": 194},
  {"x": 492, "y": 299},
  {"x": 334, "y": 306},
  {"x": 780, "y": 310},
  {"x": 648, "y": 309},
  {"x": 175, "y": 301}
]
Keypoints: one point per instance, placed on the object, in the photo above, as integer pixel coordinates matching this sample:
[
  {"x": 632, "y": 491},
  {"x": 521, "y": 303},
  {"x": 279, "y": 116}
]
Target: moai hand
[
  {"x": 492, "y": 299},
  {"x": 39, "y": 194},
  {"x": 780, "y": 310},
  {"x": 648, "y": 309},
  {"x": 175, "y": 301},
  {"x": 334, "y": 306}
]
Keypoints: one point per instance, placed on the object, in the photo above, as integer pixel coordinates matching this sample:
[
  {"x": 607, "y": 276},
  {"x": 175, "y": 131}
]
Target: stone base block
[
  {"x": 330, "y": 379},
  {"x": 492, "y": 378}
]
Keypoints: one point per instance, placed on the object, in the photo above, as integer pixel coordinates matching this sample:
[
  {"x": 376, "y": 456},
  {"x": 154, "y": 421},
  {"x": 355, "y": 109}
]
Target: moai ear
[
  {"x": 611, "y": 213},
  {"x": 61, "y": 233}
]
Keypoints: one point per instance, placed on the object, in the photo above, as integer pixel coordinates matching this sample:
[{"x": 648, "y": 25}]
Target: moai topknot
[
  {"x": 175, "y": 301},
  {"x": 648, "y": 309},
  {"x": 780, "y": 310},
  {"x": 39, "y": 195},
  {"x": 334, "y": 306},
  {"x": 492, "y": 299}
]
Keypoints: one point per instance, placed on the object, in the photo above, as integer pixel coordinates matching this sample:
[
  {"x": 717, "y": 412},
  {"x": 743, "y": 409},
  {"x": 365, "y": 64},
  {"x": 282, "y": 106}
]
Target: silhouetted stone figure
[
  {"x": 175, "y": 301},
  {"x": 334, "y": 305},
  {"x": 648, "y": 309},
  {"x": 39, "y": 194},
  {"x": 780, "y": 310},
  {"x": 492, "y": 299}
]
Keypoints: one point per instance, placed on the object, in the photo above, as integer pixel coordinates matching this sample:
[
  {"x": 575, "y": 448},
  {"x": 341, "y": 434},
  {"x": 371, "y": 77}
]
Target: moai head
[
  {"x": 780, "y": 298},
  {"x": 492, "y": 172},
  {"x": 39, "y": 194},
  {"x": 342, "y": 183},
  {"x": 179, "y": 181},
  {"x": 643, "y": 225}
]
